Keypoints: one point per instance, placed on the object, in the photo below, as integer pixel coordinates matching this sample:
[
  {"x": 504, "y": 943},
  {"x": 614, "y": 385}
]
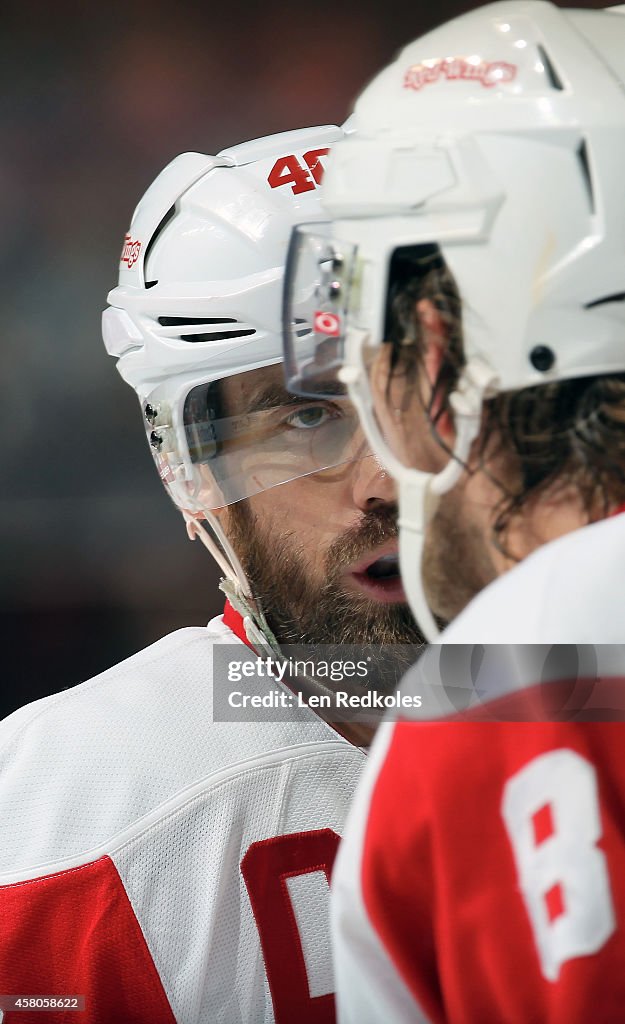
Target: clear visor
[
  {"x": 422, "y": 311},
  {"x": 319, "y": 284},
  {"x": 245, "y": 434},
  {"x": 397, "y": 406},
  {"x": 422, "y": 308},
  {"x": 330, "y": 318}
]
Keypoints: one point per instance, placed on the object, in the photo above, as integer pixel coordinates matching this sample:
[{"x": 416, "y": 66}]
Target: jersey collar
[{"x": 234, "y": 621}]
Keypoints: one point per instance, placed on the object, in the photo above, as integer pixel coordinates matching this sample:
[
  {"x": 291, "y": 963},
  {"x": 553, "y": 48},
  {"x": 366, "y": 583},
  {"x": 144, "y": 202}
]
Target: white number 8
[{"x": 551, "y": 811}]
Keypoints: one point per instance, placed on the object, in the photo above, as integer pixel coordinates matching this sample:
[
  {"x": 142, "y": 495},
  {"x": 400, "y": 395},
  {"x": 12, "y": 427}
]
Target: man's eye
[{"x": 308, "y": 417}]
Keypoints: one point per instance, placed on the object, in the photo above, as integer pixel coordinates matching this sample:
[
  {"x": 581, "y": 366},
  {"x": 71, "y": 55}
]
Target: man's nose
[{"x": 373, "y": 487}]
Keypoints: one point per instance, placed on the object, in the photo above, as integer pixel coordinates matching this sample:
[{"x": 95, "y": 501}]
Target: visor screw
[
  {"x": 156, "y": 440},
  {"x": 334, "y": 290},
  {"x": 150, "y": 413},
  {"x": 542, "y": 358}
]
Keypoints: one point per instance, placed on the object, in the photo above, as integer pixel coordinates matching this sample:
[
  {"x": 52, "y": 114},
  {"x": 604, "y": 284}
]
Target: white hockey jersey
[
  {"x": 482, "y": 876},
  {"x": 165, "y": 866}
]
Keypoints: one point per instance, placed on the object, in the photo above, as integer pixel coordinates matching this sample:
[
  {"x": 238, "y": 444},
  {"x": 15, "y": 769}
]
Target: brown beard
[
  {"x": 452, "y": 541},
  {"x": 300, "y": 612}
]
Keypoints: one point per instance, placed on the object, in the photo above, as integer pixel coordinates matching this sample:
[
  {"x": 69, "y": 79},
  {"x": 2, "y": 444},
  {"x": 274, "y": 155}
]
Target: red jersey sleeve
[{"x": 75, "y": 933}]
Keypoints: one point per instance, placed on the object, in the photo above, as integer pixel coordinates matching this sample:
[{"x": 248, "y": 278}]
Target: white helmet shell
[
  {"x": 208, "y": 241},
  {"x": 500, "y": 137}
]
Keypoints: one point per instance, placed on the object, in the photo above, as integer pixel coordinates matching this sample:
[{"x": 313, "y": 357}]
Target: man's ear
[{"x": 435, "y": 344}]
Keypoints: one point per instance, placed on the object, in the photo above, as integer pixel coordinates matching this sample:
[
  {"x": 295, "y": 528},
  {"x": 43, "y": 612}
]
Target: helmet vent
[
  {"x": 617, "y": 297},
  {"x": 237, "y": 330},
  {"x": 162, "y": 224},
  {"x": 217, "y": 336},
  {"x": 584, "y": 162},
  {"x": 303, "y": 329},
  {"x": 190, "y": 321},
  {"x": 554, "y": 79}
]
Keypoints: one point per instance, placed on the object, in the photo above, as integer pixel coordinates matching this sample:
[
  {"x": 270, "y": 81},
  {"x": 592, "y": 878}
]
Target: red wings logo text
[
  {"x": 454, "y": 69},
  {"x": 130, "y": 251}
]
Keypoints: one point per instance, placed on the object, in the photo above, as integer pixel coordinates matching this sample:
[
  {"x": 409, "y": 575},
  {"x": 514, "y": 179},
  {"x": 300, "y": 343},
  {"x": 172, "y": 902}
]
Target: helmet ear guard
[{"x": 119, "y": 332}]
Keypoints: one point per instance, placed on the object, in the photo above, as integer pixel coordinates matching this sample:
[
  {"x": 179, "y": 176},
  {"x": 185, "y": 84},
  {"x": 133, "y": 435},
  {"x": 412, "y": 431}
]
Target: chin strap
[
  {"x": 257, "y": 632},
  {"x": 234, "y": 585}
]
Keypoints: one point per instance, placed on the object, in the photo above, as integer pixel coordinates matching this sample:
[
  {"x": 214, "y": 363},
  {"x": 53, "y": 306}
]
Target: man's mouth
[{"x": 378, "y": 576}]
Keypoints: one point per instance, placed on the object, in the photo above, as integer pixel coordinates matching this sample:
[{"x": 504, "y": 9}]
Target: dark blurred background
[{"x": 95, "y": 100}]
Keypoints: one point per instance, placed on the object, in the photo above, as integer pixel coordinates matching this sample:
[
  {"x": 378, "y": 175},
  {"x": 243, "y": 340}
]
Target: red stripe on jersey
[
  {"x": 76, "y": 933},
  {"x": 234, "y": 621},
  {"x": 440, "y": 883}
]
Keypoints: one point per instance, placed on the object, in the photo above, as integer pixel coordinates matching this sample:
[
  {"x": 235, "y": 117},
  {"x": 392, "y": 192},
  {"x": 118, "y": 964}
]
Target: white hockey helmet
[
  {"x": 495, "y": 145},
  {"x": 200, "y": 299}
]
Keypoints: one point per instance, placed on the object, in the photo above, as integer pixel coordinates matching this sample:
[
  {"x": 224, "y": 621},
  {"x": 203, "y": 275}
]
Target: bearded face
[{"x": 327, "y": 607}]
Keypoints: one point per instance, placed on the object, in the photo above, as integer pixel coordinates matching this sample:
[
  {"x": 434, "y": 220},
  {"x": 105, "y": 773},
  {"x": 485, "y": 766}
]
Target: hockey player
[
  {"x": 476, "y": 270},
  {"x": 163, "y": 865}
]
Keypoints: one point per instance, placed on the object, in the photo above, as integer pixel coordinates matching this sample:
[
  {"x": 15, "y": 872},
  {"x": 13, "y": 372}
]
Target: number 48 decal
[
  {"x": 551, "y": 811},
  {"x": 288, "y": 170}
]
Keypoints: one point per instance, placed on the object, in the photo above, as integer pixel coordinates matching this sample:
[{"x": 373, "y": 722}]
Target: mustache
[{"x": 377, "y": 527}]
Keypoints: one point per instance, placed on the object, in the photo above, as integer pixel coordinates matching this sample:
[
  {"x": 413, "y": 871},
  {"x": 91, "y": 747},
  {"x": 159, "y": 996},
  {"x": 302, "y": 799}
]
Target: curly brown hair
[
  {"x": 420, "y": 273},
  {"x": 567, "y": 433},
  {"x": 559, "y": 434}
]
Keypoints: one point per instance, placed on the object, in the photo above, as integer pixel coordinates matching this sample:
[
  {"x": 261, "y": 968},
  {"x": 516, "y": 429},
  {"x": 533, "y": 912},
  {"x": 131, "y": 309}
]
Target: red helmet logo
[
  {"x": 130, "y": 251},
  {"x": 327, "y": 323},
  {"x": 452, "y": 69}
]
